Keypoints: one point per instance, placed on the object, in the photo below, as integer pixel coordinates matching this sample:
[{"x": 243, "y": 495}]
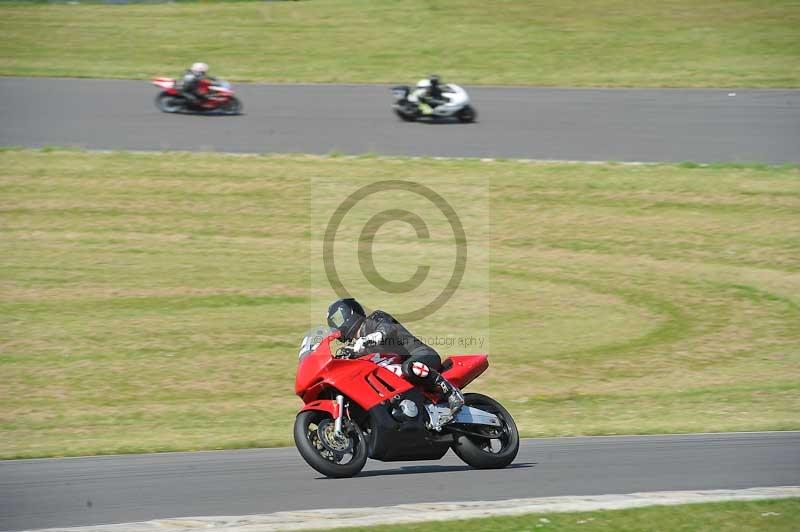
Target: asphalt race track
[
  {"x": 703, "y": 125},
  {"x": 102, "y": 490}
]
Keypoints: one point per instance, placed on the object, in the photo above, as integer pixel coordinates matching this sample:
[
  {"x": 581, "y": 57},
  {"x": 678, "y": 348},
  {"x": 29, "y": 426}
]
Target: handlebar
[{"x": 346, "y": 352}]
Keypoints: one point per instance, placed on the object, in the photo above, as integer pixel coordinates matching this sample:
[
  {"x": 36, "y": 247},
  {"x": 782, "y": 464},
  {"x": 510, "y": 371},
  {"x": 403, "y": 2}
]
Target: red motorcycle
[
  {"x": 219, "y": 98},
  {"x": 360, "y": 406}
]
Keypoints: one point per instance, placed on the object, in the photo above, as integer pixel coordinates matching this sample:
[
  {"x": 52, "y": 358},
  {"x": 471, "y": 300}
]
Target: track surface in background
[
  {"x": 110, "y": 489},
  {"x": 702, "y": 125}
]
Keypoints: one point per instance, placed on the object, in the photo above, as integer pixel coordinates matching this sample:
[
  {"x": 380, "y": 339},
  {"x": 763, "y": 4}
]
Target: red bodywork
[
  {"x": 363, "y": 381},
  {"x": 216, "y": 95}
]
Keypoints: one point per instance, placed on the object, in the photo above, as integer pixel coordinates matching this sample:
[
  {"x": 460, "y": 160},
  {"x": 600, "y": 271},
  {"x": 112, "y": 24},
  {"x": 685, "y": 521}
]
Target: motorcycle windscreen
[{"x": 312, "y": 339}]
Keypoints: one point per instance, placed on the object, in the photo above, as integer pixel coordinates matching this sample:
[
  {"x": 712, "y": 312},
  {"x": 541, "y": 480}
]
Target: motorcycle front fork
[{"x": 337, "y": 423}]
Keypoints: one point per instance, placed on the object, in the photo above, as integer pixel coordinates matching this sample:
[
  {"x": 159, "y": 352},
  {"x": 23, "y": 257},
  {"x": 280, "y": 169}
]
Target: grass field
[
  {"x": 755, "y": 516},
  {"x": 615, "y": 43},
  {"x": 155, "y": 302}
]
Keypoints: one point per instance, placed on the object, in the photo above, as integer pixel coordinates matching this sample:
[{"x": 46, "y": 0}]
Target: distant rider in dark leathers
[
  {"x": 433, "y": 94},
  {"x": 381, "y": 333}
]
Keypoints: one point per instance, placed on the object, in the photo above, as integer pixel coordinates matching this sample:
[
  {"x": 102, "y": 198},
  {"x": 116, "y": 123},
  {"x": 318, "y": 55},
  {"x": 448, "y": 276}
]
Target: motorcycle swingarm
[{"x": 466, "y": 416}]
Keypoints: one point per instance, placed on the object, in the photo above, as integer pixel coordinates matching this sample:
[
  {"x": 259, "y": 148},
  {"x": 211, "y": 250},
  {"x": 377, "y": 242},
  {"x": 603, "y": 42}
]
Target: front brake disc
[{"x": 337, "y": 444}]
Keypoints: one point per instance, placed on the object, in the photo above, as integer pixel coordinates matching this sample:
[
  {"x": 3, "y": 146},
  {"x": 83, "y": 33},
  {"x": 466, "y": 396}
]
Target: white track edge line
[
  {"x": 366, "y": 156},
  {"x": 421, "y": 512}
]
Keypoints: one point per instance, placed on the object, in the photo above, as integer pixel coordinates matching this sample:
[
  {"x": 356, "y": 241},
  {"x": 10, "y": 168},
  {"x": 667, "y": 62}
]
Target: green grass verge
[
  {"x": 756, "y": 516},
  {"x": 615, "y": 43},
  {"x": 154, "y": 302}
]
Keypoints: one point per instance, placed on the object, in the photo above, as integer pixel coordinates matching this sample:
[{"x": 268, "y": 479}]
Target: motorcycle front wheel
[
  {"x": 169, "y": 103},
  {"x": 488, "y": 447},
  {"x": 467, "y": 114},
  {"x": 232, "y": 106},
  {"x": 334, "y": 456}
]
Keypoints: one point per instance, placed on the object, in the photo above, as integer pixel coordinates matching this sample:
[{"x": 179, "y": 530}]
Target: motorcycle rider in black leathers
[
  {"x": 433, "y": 95},
  {"x": 381, "y": 333},
  {"x": 191, "y": 86}
]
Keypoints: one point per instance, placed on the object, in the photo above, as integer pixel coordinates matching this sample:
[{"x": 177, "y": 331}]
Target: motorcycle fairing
[
  {"x": 454, "y": 96},
  {"x": 168, "y": 84},
  {"x": 325, "y": 405},
  {"x": 366, "y": 383},
  {"x": 312, "y": 364},
  {"x": 463, "y": 369},
  {"x": 393, "y": 440}
]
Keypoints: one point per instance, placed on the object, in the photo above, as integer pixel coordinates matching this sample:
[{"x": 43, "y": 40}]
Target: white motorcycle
[{"x": 409, "y": 107}]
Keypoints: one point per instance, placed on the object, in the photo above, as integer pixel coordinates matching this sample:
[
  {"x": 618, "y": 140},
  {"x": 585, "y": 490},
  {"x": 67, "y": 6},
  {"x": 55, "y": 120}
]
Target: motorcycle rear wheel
[
  {"x": 169, "y": 103},
  {"x": 321, "y": 449},
  {"x": 404, "y": 117},
  {"x": 406, "y": 113},
  {"x": 488, "y": 453}
]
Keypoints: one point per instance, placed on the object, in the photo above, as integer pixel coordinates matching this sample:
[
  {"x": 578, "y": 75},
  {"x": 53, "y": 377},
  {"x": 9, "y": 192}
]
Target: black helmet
[
  {"x": 346, "y": 316},
  {"x": 434, "y": 79}
]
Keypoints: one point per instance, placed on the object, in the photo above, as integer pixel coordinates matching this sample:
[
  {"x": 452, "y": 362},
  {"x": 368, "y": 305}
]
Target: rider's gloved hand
[
  {"x": 369, "y": 340},
  {"x": 344, "y": 352}
]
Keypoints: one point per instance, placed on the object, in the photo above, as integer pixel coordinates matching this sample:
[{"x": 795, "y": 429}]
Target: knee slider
[{"x": 420, "y": 370}]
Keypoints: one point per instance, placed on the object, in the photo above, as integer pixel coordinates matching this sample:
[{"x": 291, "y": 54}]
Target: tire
[
  {"x": 479, "y": 452},
  {"x": 467, "y": 114},
  {"x": 309, "y": 429},
  {"x": 405, "y": 117},
  {"x": 169, "y": 103},
  {"x": 232, "y": 106}
]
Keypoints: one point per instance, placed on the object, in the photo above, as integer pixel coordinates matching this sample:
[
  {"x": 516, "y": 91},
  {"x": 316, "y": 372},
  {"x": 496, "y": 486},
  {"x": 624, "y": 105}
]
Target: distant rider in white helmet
[{"x": 195, "y": 83}]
